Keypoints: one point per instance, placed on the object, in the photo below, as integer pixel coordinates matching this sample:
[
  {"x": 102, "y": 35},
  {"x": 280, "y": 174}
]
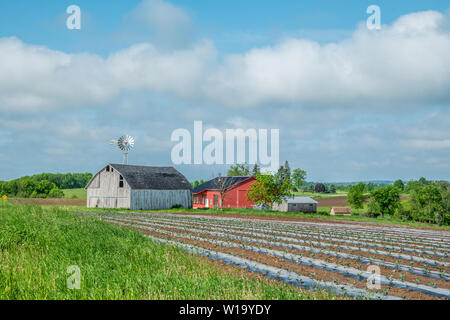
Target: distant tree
[
  {"x": 287, "y": 170},
  {"x": 355, "y": 196},
  {"x": 221, "y": 185},
  {"x": 332, "y": 188},
  {"x": 240, "y": 169},
  {"x": 256, "y": 169},
  {"x": 387, "y": 198},
  {"x": 427, "y": 204},
  {"x": 370, "y": 186},
  {"x": 423, "y": 182},
  {"x": 320, "y": 188},
  {"x": 298, "y": 178},
  {"x": 267, "y": 190},
  {"x": 56, "y": 193},
  {"x": 411, "y": 186},
  {"x": 399, "y": 185}
]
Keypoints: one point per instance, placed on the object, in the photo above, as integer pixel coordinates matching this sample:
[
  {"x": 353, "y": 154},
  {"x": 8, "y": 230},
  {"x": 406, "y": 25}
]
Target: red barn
[{"x": 207, "y": 194}]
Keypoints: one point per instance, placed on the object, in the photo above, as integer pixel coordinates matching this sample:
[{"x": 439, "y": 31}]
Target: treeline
[
  {"x": 44, "y": 185},
  {"x": 429, "y": 201}
]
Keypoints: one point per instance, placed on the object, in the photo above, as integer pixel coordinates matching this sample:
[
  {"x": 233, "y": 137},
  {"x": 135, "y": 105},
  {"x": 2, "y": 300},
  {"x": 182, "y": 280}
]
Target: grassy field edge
[{"x": 38, "y": 245}]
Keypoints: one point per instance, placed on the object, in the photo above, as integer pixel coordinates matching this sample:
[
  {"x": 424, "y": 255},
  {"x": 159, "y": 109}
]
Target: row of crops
[{"x": 362, "y": 261}]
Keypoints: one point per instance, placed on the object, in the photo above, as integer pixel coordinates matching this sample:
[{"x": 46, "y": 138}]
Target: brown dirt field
[
  {"x": 332, "y": 202},
  {"x": 300, "y": 269},
  {"x": 293, "y": 219},
  {"x": 51, "y": 202},
  {"x": 356, "y": 252}
]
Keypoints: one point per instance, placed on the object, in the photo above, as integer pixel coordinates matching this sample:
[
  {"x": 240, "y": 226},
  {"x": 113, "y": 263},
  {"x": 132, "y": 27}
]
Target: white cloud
[
  {"x": 407, "y": 64},
  {"x": 168, "y": 23}
]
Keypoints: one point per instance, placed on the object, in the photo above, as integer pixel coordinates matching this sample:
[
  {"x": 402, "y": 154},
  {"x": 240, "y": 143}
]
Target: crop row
[{"x": 264, "y": 240}]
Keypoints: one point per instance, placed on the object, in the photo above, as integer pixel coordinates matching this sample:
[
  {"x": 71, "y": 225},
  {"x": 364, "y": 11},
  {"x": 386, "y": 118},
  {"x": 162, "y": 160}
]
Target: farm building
[
  {"x": 296, "y": 204},
  {"x": 207, "y": 195},
  {"x": 340, "y": 211},
  {"x": 138, "y": 188}
]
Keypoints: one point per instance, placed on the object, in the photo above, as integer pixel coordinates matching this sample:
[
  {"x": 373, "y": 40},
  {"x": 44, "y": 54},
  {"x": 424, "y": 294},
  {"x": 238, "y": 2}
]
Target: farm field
[
  {"x": 413, "y": 263},
  {"x": 79, "y": 193},
  {"x": 38, "y": 244}
]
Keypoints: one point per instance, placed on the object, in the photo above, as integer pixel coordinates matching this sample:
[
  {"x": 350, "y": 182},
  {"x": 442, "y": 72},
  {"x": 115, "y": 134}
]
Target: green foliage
[
  {"x": 399, "y": 185},
  {"x": 355, "y": 196},
  {"x": 320, "y": 188},
  {"x": 239, "y": 170},
  {"x": 44, "y": 185},
  {"x": 298, "y": 178},
  {"x": 402, "y": 214},
  {"x": 256, "y": 170},
  {"x": 268, "y": 189},
  {"x": 387, "y": 198},
  {"x": 373, "y": 209},
  {"x": 427, "y": 204},
  {"x": 196, "y": 183}
]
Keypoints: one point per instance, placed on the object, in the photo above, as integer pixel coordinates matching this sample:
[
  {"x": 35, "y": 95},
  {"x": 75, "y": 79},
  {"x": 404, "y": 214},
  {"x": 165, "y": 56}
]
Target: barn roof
[
  {"x": 211, "y": 184},
  {"x": 298, "y": 199},
  {"x": 156, "y": 178}
]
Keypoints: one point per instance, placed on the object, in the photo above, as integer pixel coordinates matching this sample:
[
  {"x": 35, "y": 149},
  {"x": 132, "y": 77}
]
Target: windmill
[{"x": 125, "y": 143}]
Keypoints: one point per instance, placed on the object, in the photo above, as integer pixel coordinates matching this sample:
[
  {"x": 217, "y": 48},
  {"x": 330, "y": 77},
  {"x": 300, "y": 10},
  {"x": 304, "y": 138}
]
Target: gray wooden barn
[
  {"x": 299, "y": 204},
  {"x": 138, "y": 188}
]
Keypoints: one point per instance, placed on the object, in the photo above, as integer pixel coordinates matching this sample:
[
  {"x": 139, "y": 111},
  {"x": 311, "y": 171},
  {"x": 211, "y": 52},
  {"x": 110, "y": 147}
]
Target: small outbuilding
[
  {"x": 138, "y": 188},
  {"x": 296, "y": 204},
  {"x": 340, "y": 211}
]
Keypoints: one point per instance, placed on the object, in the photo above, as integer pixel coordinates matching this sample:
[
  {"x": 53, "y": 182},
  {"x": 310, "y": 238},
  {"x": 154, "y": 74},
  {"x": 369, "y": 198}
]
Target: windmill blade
[{"x": 126, "y": 143}]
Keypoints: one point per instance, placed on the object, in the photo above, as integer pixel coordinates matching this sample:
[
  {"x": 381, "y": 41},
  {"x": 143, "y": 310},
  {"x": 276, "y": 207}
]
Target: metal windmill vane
[{"x": 125, "y": 143}]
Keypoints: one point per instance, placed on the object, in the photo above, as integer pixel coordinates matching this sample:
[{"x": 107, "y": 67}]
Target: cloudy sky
[{"x": 350, "y": 103}]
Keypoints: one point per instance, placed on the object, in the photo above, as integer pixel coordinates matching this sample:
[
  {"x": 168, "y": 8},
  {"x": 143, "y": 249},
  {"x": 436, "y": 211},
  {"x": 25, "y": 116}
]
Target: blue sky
[{"x": 351, "y": 104}]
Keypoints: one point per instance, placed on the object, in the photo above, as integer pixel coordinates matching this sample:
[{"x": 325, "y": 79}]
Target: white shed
[
  {"x": 138, "y": 188},
  {"x": 296, "y": 204}
]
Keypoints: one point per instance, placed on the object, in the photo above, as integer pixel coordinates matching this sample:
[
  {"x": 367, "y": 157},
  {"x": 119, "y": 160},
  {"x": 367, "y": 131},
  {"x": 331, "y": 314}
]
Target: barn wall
[
  {"x": 160, "y": 199},
  {"x": 104, "y": 191},
  {"x": 237, "y": 197}
]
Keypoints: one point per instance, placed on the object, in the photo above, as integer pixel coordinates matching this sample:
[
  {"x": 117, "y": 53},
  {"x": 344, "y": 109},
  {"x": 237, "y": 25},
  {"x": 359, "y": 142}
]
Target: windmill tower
[{"x": 125, "y": 143}]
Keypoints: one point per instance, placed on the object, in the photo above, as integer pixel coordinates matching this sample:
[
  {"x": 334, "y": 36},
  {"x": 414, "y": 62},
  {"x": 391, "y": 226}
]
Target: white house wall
[{"x": 104, "y": 191}]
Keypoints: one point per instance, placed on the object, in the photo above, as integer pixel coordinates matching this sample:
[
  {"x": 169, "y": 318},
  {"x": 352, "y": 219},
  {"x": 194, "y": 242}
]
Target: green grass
[
  {"x": 320, "y": 195},
  {"x": 75, "y": 193},
  {"x": 38, "y": 244}
]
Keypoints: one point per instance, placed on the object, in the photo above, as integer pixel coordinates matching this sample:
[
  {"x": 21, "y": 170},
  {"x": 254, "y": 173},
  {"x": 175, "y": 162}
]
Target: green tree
[
  {"x": 298, "y": 178},
  {"x": 355, "y": 196},
  {"x": 56, "y": 193},
  {"x": 332, "y": 188},
  {"x": 399, "y": 185},
  {"x": 267, "y": 190},
  {"x": 427, "y": 204},
  {"x": 239, "y": 170},
  {"x": 387, "y": 198},
  {"x": 256, "y": 169},
  {"x": 320, "y": 188}
]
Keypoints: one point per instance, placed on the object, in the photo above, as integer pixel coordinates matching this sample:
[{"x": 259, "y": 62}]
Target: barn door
[{"x": 216, "y": 201}]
